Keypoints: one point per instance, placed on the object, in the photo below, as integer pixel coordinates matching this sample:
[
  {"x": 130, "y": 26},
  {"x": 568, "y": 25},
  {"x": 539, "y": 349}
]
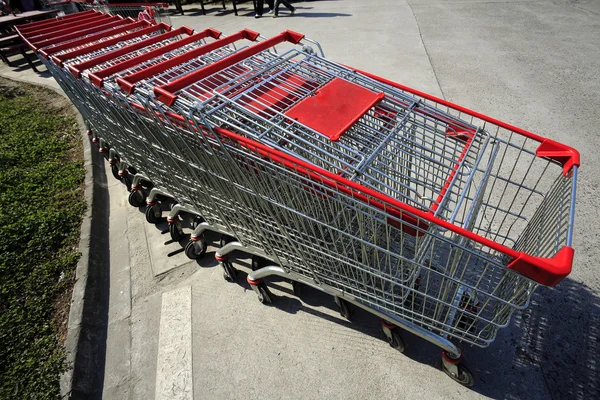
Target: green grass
[{"x": 41, "y": 205}]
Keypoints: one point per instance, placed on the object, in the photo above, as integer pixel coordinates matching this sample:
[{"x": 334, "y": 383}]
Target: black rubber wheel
[
  {"x": 296, "y": 288},
  {"x": 197, "y": 221},
  {"x": 137, "y": 198},
  {"x": 225, "y": 239},
  {"x": 395, "y": 340},
  {"x": 127, "y": 181},
  {"x": 153, "y": 214},
  {"x": 465, "y": 377},
  {"x": 195, "y": 249},
  {"x": 264, "y": 295},
  {"x": 175, "y": 231},
  {"x": 114, "y": 168},
  {"x": 258, "y": 262},
  {"x": 229, "y": 271},
  {"x": 132, "y": 170},
  {"x": 344, "y": 309}
]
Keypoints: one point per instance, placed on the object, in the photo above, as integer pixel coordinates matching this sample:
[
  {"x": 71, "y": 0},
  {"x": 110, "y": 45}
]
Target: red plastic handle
[
  {"x": 77, "y": 34},
  {"x": 52, "y": 30},
  {"x": 164, "y": 5},
  {"x": 127, "y": 83},
  {"x": 78, "y": 68},
  {"x": 165, "y": 93},
  {"x": 97, "y": 77},
  {"x": 48, "y": 51},
  {"x": 61, "y": 58},
  {"x": 32, "y": 26},
  {"x": 61, "y": 31}
]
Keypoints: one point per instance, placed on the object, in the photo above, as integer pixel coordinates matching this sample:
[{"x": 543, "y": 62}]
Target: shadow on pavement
[
  {"x": 88, "y": 366},
  {"x": 555, "y": 339},
  {"x": 549, "y": 350}
]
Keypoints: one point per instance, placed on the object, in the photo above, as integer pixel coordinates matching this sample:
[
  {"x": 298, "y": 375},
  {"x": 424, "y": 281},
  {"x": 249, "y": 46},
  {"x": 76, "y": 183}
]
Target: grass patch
[{"x": 41, "y": 205}]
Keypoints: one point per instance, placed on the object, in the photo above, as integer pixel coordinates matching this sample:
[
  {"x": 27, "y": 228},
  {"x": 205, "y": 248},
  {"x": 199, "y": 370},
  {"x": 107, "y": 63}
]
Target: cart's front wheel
[
  {"x": 258, "y": 262},
  {"x": 153, "y": 214},
  {"x": 225, "y": 239},
  {"x": 296, "y": 288},
  {"x": 175, "y": 231},
  {"x": 127, "y": 181},
  {"x": 195, "y": 249},
  {"x": 344, "y": 306},
  {"x": 458, "y": 372},
  {"x": 395, "y": 340},
  {"x": 264, "y": 295},
  {"x": 114, "y": 168},
  {"x": 229, "y": 271},
  {"x": 137, "y": 198},
  {"x": 197, "y": 221}
]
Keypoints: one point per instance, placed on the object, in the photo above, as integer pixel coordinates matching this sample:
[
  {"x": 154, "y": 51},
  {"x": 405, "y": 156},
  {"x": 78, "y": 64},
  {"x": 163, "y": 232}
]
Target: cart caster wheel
[
  {"x": 257, "y": 263},
  {"x": 153, "y": 214},
  {"x": 264, "y": 294},
  {"x": 344, "y": 306},
  {"x": 175, "y": 231},
  {"x": 114, "y": 168},
  {"x": 132, "y": 170},
  {"x": 195, "y": 249},
  {"x": 225, "y": 239},
  {"x": 229, "y": 271},
  {"x": 296, "y": 288},
  {"x": 127, "y": 180},
  {"x": 457, "y": 371},
  {"x": 197, "y": 221},
  {"x": 395, "y": 340},
  {"x": 137, "y": 198}
]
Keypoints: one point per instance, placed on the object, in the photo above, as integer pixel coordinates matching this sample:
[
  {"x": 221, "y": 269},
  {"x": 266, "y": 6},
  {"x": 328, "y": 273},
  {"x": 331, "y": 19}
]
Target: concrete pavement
[{"x": 531, "y": 63}]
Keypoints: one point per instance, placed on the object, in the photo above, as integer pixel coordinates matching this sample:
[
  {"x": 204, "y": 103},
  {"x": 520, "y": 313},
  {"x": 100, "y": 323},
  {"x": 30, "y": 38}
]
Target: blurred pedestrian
[
  {"x": 285, "y": 3},
  {"x": 260, "y": 4}
]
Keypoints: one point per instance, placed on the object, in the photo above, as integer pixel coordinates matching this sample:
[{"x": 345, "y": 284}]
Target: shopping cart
[
  {"x": 471, "y": 196},
  {"x": 157, "y": 12},
  {"x": 435, "y": 218},
  {"x": 99, "y": 59}
]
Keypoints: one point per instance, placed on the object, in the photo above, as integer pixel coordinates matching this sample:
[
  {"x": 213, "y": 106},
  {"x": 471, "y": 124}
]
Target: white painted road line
[{"x": 174, "y": 360}]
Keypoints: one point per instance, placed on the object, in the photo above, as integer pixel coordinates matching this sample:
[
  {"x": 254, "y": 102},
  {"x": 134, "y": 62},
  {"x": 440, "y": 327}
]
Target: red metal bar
[
  {"x": 78, "y": 68},
  {"x": 440, "y": 197},
  {"x": 164, "y": 5},
  {"x": 59, "y": 31},
  {"x": 127, "y": 83},
  {"x": 74, "y": 35},
  {"x": 61, "y": 58},
  {"x": 97, "y": 77},
  {"x": 48, "y": 51},
  {"x": 55, "y": 28},
  {"x": 561, "y": 153},
  {"x": 165, "y": 93},
  {"x": 54, "y": 21}
]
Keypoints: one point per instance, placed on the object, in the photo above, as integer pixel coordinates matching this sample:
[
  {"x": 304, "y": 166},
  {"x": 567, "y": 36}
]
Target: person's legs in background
[
  {"x": 260, "y": 7},
  {"x": 285, "y": 3}
]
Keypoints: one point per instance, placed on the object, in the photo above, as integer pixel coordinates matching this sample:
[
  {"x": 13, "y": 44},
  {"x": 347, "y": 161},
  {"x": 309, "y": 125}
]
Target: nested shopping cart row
[{"x": 433, "y": 217}]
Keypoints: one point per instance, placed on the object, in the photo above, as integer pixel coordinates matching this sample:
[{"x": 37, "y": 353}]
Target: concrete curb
[
  {"x": 81, "y": 274},
  {"x": 80, "y": 288}
]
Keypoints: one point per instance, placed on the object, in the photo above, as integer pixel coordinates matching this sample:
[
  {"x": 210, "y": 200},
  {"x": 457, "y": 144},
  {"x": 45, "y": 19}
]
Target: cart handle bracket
[
  {"x": 563, "y": 154},
  {"x": 547, "y": 271}
]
